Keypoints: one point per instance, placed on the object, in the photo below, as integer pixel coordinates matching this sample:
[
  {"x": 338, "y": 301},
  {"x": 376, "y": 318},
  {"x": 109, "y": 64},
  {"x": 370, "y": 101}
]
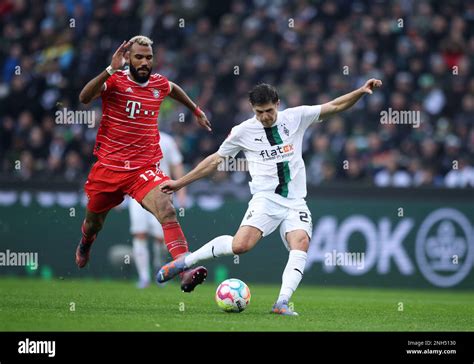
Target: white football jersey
[
  {"x": 274, "y": 155},
  {"x": 171, "y": 154}
]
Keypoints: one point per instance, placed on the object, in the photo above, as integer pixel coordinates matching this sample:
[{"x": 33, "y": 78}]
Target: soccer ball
[{"x": 233, "y": 295}]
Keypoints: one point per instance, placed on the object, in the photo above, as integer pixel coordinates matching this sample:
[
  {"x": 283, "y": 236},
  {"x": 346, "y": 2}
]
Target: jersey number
[
  {"x": 304, "y": 216},
  {"x": 150, "y": 174}
]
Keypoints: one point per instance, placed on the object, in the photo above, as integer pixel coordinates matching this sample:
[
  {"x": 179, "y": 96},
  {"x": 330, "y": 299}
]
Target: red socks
[{"x": 174, "y": 239}]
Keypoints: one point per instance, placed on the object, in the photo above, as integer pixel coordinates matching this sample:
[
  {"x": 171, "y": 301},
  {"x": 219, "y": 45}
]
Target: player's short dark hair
[{"x": 262, "y": 94}]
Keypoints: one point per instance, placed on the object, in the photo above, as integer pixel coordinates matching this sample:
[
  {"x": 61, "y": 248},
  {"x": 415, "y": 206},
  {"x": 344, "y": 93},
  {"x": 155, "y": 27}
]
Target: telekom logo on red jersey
[{"x": 134, "y": 108}]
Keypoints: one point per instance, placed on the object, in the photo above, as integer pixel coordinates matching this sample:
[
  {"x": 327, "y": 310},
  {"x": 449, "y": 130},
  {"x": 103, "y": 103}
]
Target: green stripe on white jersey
[{"x": 274, "y": 154}]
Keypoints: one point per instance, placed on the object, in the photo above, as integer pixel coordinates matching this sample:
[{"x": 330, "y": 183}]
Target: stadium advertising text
[{"x": 443, "y": 249}]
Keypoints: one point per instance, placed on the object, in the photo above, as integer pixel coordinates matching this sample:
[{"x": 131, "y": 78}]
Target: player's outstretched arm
[
  {"x": 177, "y": 171},
  {"x": 178, "y": 94},
  {"x": 346, "y": 101},
  {"x": 206, "y": 167},
  {"x": 95, "y": 86}
]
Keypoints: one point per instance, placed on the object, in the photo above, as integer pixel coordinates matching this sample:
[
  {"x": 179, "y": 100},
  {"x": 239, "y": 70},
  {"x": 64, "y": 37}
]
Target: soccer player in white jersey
[
  {"x": 271, "y": 142},
  {"x": 144, "y": 224}
]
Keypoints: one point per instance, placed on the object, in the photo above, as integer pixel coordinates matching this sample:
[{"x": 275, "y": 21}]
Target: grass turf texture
[{"x": 37, "y": 305}]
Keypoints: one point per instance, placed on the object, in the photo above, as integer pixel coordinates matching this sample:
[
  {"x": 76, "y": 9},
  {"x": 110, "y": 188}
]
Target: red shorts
[{"x": 106, "y": 188}]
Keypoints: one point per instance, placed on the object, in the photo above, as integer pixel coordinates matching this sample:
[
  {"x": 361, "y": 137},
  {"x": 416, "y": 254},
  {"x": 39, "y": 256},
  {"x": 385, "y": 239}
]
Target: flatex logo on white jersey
[
  {"x": 445, "y": 247},
  {"x": 28, "y": 346},
  {"x": 134, "y": 108}
]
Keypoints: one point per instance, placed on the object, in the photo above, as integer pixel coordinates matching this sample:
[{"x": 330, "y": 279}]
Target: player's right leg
[
  {"x": 243, "y": 241},
  {"x": 91, "y": 226},
  {"x": 103, "y": 192}
]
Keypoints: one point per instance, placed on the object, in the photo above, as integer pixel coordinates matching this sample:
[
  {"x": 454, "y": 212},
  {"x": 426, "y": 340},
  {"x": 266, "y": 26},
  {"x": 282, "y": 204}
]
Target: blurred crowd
[{"x": 312, "y": 51}]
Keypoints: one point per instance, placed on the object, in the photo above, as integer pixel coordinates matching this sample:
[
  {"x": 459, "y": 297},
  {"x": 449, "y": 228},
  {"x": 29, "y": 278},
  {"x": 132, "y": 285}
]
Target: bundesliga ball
[{"x": 233, "y": 295}]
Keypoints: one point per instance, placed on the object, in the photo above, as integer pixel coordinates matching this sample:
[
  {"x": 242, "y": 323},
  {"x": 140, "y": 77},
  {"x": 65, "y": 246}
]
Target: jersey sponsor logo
[
  {"x": 281, "y": 151},
  {"x": 134, "y": 108},
  {"x": 259, "y": 139}
]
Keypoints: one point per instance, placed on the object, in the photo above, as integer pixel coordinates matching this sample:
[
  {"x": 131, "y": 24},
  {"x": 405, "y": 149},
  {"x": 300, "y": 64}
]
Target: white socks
[
  {"x": 292, "y": 274},
  {"x": 142, "y": 258},
  {"x": 217, "y": 247}
]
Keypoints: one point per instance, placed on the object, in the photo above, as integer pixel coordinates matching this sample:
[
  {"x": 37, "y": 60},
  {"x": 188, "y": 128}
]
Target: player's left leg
[
  {"x": 143, "y": 186},
  {"x": 295, "y": 231},
  {"x": 298, "y": 243},
  {"x": 160, "y": 205}
]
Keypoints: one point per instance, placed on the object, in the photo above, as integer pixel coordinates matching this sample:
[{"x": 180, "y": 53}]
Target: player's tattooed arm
[
  {"x": 95, "y": 86},
  {"x": 206, "y": 167},
  {"x": 346, "y": 101},
  {"x": 178, "y": 94}
]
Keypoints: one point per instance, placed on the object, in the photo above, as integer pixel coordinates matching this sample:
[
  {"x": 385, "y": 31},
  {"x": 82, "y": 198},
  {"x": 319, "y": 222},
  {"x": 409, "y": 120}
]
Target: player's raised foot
[
  {"x": 192, "y": 277},
  {"x": 282, "y": 308},
  {"x": 171, "y": 269},
  {"x": 82, "y": 254}
]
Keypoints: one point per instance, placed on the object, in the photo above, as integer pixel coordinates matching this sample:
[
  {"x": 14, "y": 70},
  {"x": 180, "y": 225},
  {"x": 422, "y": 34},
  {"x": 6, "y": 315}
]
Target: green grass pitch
[{"x": 95, "y": 305}]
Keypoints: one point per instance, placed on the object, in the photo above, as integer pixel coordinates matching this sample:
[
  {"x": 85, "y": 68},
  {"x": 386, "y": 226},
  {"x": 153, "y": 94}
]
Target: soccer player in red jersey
[{"x": 128, "y": 148}]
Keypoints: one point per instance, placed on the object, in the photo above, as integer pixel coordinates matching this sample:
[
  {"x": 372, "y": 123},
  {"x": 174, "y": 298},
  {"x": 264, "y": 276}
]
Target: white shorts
[
  {"x": 266, "y": 214},
  {"x": 143, "y": 221}
]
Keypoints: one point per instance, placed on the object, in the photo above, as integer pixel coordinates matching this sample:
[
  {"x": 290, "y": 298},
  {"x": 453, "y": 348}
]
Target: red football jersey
[{"x": 128, "y": 136}]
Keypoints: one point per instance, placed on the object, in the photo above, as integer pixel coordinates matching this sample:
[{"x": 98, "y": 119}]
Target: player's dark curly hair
[{"x": 262, "y": 94}]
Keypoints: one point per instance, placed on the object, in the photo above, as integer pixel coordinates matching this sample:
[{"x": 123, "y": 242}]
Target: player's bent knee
[
  {"x": 300, "y": 244},
  {"x": 94, "y": 226},
  {"x": 240, "y": 247}
]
